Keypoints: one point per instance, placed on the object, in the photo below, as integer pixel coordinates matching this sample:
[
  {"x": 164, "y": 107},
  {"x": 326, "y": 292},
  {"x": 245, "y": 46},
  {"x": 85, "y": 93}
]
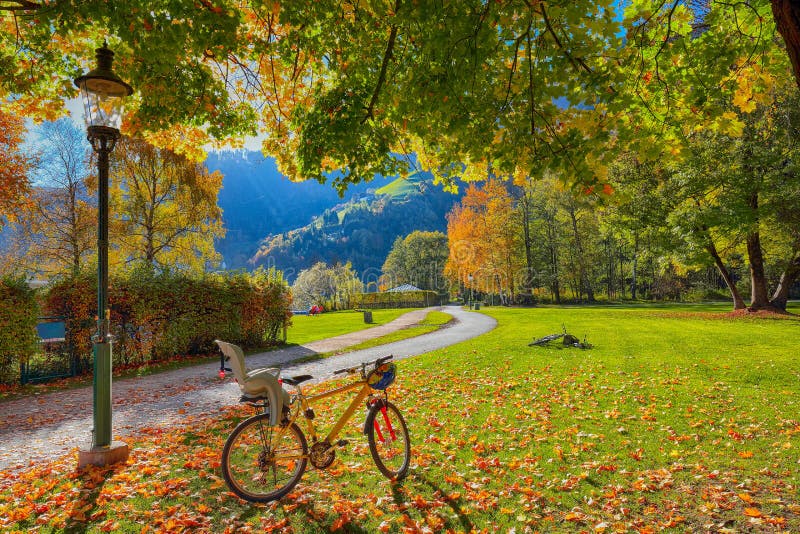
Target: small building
[{"x": 403, "y": 288}]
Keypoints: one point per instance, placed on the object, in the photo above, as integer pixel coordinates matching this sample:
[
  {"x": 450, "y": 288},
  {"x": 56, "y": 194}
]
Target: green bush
[
  {"x": 398, "y": 299},
  {"x": 18, "y": 315}
]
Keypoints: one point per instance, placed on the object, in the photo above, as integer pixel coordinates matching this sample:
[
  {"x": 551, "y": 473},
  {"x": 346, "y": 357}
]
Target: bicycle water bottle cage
[
  {"x": 258, "y": 383},
  {"x": 382, "y": 376}
]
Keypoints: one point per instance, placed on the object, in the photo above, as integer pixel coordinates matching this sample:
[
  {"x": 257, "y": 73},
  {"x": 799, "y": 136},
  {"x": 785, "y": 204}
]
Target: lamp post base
[{"x": 102, "y": 456}]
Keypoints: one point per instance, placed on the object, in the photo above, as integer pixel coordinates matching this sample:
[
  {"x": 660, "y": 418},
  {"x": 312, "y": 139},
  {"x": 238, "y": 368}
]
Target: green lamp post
[{"x": 103, "y": 94}]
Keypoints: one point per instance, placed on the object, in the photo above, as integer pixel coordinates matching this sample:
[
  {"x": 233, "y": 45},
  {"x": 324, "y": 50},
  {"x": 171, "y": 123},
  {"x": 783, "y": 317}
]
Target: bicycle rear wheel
[
  {"x": 388, "y": 439},
  {"x": 262, "y": 463}
]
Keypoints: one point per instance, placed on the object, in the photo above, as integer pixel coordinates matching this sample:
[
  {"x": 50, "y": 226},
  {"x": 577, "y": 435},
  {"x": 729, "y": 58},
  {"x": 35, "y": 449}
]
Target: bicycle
[{"x": 262, "y": 461}]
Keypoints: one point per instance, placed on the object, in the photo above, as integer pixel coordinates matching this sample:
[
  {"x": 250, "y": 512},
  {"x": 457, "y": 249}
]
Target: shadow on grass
[
  {"x": 455, "y": 504},
  {"x": 322, "y": 522},
  {"x": 80, "y": 510}
]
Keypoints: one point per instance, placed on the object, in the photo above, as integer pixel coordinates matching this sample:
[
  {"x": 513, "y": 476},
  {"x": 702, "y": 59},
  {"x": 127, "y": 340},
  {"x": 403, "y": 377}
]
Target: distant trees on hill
[
  {"x": 361, "y": 232},
  {"x": 332, "y": 287}
]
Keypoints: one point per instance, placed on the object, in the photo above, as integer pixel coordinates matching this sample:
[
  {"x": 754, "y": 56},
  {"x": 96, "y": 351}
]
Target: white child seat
[{"x": 258, "y": 383}]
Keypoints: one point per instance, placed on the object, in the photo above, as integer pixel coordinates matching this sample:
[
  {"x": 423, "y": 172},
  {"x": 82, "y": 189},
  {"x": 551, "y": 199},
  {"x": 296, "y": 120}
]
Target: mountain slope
[
  {"x": 257, "y": 200},
  {"x": 361, "y": 230}
]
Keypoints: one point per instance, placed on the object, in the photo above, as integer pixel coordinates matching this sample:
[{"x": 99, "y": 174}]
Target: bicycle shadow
[
  {"x": 308, "y": 511},
  {"x": 455, "y": 504},
  {"x": 321, "y": 520}
]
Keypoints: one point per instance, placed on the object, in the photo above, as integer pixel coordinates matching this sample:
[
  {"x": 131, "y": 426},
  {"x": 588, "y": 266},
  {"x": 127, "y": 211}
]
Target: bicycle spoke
[{"x": 262, "y": 463}]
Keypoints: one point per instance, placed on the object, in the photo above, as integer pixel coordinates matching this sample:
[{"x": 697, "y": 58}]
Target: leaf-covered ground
[{"x": 676, "y": 420}]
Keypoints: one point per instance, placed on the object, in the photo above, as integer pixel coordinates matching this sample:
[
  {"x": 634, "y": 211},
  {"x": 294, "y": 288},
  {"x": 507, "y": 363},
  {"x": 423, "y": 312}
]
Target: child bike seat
[{"x": 258, "y": 383}]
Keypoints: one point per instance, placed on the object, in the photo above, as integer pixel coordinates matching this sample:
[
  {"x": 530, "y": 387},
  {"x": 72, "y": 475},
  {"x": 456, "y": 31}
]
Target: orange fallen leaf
[{"x": 752, "y": 512}]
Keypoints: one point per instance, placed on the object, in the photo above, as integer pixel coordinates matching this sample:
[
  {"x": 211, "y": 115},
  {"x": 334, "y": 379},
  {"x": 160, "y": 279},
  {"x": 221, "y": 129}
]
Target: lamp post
[
  {"x": 469, "y": 277},
  {"x": 103, "y": 94}
]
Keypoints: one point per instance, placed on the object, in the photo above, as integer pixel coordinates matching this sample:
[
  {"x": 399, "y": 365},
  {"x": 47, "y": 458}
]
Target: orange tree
[
  {"x": 14, "y": 167},
  {"x": 484, "y": 243}
]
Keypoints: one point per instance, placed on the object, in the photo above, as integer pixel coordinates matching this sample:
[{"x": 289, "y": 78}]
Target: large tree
[
  {"x": 165, "y": 208},
  {"x": 484, "y": 243},
  {"x": 514, "y": 84},
  {"x": 731, "y": 197}
]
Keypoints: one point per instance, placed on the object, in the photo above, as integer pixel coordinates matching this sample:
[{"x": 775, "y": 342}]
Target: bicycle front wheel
[
  {"x": 262, "y": 463},
  {"x": 388, "y": 439}
]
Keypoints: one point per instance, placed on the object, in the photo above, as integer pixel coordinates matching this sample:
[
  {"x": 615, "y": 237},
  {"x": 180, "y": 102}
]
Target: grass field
[{"x": 679, "y": 419}]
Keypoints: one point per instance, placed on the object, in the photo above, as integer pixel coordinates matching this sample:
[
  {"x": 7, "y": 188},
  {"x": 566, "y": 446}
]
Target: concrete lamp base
[{"x": 102, "y": 456}]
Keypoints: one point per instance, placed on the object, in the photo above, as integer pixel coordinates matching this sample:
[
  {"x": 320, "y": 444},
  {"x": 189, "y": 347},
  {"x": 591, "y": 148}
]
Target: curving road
[{"x": 47, "y": 426}]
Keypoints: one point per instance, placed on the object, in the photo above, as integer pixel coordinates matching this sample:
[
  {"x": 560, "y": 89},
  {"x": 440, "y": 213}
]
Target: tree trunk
[
  {"x": 635, "y": 265},
  {"x": 787, "y": 20},
  {"x": 585, "y": 283},
  {"x": 788, "y": 278},
  {"x": 759, "y": 298},
  {"x": 738, "y": 301},
  {"x": 526, "y": 229},
  {"x": 552, "y": 248}
]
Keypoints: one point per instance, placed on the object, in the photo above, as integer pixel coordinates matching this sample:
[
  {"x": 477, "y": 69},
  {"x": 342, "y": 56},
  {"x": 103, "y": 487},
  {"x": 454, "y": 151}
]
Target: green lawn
[
  {"x": 307, "y": 328},
  {"x": 678, "y": 419},
  {"x": 433, "y": 321}
]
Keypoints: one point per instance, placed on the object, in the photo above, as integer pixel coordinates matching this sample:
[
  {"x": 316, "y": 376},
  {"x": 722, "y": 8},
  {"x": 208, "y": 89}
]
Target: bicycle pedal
[{"x": 342, "y": 443}]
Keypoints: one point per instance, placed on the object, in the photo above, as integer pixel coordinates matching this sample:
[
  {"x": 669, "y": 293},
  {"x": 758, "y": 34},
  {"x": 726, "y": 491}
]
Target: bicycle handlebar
[{"x": 363, "y": 365}]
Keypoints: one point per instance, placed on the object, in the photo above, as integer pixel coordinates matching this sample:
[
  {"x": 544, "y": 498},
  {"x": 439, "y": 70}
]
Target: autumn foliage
[
  {"x": 483, "y": 241},
  {"x": 155, "y": 316},
  {"x": 14, "y": 166}
]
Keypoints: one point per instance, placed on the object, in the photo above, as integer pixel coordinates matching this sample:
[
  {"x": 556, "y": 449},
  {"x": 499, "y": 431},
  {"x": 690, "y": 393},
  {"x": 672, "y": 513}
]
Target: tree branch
[
  {"x": 19, "y": 5},
  {"x": 578, "y": 63},
  {"x": 384, "y": 67}
]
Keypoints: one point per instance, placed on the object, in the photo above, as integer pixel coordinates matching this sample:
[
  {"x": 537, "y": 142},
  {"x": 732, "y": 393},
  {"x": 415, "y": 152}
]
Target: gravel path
[{"x": 49, "y": 425}]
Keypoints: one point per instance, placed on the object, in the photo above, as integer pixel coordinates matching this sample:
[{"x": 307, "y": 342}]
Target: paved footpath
[{"x": 46, "y": 426}]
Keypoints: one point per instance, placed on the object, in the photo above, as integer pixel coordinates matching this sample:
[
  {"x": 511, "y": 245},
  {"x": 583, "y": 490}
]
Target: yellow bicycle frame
[{"x": 304, "y": 401}]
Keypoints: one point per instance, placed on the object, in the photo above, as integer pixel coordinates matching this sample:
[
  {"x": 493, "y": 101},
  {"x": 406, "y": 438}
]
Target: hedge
[
  {"x": 19, "y": 311},
  {"x": 157, "y": 315},
  {"x": 396, "y": 299}
]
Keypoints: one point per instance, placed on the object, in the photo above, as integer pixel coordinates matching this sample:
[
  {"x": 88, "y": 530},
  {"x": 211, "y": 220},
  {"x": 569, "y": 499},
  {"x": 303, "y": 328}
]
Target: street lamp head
[{"x": 103, "y": 94}]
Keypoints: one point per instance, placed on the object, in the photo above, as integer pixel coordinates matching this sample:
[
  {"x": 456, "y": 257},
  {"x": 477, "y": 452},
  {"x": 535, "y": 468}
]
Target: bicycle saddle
[{"x": 258, "y": 383}]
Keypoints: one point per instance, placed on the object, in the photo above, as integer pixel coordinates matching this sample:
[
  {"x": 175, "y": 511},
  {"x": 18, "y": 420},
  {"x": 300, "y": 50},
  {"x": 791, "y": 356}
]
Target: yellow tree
[
  {"x": 165, "y": 208},
  {"x": 484, "y": 243}
]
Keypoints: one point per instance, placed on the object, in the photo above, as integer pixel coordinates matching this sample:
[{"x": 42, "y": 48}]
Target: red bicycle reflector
[{"x": 221, "y": 373}]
